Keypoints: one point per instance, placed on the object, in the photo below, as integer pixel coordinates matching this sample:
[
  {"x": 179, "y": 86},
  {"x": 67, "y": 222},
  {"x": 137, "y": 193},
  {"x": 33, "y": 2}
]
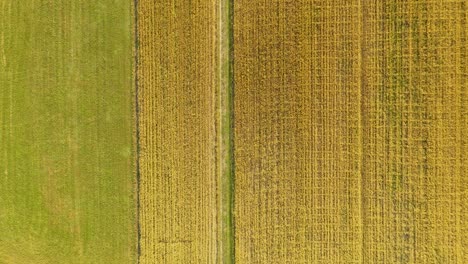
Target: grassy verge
[{"x": 226, "y": 137}]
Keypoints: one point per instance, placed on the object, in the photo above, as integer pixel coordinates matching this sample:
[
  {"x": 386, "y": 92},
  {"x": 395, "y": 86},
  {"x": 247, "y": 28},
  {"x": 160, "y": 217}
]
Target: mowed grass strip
[{"x": 66, "y": 123}]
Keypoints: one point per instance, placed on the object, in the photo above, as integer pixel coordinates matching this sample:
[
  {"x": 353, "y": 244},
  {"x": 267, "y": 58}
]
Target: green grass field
[{"x": 66, "y": 132}]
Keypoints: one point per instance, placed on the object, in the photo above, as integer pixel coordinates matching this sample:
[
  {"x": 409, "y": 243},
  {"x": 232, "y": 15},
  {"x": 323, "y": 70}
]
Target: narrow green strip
[{"x": 226, "y": 153}]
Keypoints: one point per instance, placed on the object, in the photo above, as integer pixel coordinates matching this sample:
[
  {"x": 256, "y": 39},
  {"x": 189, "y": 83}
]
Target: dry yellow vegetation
[
  {"x": 180, "y": 73},
  {"x": 415, "y": 131},
  {"x": 297, "y": 132},
  {"x": 350, "y": 131}
]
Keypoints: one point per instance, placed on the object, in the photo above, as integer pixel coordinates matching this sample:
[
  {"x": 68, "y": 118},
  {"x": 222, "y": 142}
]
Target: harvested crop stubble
[{"x": 350, "y": 131}]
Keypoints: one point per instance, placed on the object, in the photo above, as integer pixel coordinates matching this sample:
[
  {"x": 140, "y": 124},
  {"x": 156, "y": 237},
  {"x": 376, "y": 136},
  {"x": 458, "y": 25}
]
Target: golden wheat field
[
  {"x": 336, "y": 135},
  {"x": 298, "y": 149},
  {"x": 350, "y": 131},
  {"x": 180, "y": 121}
]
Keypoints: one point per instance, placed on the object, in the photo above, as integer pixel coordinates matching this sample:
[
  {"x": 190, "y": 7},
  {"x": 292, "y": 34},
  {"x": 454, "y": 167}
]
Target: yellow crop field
[
  {"x": 302, "y": 131},
  {"x": 350, "y": 131},
  {"x": 297, "y": 132},
  {"x": 180, "y": 69},
  {"x": 415, "y": 130}
]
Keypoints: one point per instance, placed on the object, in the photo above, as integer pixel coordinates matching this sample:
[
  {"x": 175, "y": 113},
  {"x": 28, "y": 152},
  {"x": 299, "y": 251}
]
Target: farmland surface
[
  {"x": 66, "y": 122},
  {"x": 350, "y": 131},
  {"x": 297, "y": 132},
  {"x": 414, "y": 116},
  {"x": 182, "y": 217},
  {"x": 233, "y": 131}
]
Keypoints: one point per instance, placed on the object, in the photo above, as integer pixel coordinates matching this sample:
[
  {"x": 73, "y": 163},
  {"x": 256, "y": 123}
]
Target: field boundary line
[
  {"x": 226, "y": 154},
  {"x": 137, "y": 124}
]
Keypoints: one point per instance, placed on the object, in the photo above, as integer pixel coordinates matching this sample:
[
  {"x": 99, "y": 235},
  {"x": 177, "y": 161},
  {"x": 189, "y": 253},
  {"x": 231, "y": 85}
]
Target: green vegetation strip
[
  {"x": 227, "y": 247},
  {"x": 66, "y": 132}
]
